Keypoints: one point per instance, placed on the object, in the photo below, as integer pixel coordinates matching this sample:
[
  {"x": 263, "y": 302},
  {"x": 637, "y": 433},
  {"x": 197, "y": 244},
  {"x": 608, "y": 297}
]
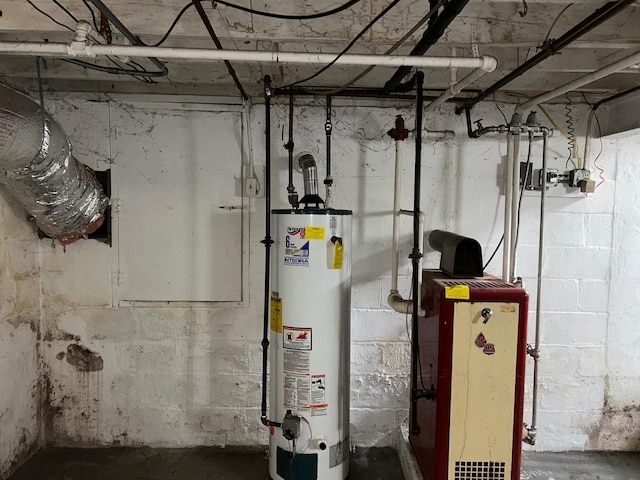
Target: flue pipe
[
  {"x": 84, "y": 50},
  {"x": 582, "y": 81}
]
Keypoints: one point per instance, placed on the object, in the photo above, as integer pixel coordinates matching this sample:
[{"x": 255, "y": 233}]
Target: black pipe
[
  {"x": 267, "y": 242},
  {"x": 416, "y": 254},
  {"x": 218, "y": 44},
  {"x": 431, "y": 35},
  {"x": 328, "y": 127},
  {"x": 368, "y": 93},
  {"x": 104, "y": 10},
  {"x": 552, "y": 47},
  {"x": 293, "y": 195},
  {"x": 597, "y": 105}
]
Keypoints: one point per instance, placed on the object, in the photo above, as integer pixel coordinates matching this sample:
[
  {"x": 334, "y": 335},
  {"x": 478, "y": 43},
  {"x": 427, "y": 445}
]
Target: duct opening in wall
[{"x": 37, "y": 168}]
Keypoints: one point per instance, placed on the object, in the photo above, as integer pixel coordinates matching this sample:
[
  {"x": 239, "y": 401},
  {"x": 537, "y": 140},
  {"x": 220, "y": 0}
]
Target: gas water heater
[{"x": 310, "y": 341}]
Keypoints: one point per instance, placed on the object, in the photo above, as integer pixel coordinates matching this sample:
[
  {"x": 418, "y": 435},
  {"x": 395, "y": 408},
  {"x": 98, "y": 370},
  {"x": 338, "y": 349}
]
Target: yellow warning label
[
  {"x": 457, "y": 292},
  {"x": 314, "y": 233},
  {"x": 276, "y": 314},
  {"x": 338, "y": 255}
]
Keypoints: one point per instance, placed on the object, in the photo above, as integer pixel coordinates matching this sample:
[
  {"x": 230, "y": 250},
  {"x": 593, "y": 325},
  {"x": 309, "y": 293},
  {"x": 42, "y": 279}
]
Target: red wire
[{"x": 595, "y": 160}]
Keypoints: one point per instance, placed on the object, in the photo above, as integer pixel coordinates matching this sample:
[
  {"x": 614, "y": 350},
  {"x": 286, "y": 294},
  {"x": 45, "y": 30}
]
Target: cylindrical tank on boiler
[{"x": 310, "y": 340}]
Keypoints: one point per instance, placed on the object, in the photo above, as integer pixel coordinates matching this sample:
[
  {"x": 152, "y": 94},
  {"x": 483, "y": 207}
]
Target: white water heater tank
[{"x": 310, "y": 341}]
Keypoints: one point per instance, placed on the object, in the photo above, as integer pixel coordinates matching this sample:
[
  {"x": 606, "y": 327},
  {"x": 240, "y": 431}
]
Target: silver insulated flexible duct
[{"x": 38, "y": 169}]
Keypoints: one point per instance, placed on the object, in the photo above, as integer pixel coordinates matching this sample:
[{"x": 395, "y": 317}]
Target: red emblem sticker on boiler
[
  {"x": 481, "y": 341},
  {"x": 489, "y": 349}
]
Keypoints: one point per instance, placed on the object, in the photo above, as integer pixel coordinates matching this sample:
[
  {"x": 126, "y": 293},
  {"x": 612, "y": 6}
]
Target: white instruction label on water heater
[
  {"x": 297, "y": 393},
  {"x": 294, "y": 338}
]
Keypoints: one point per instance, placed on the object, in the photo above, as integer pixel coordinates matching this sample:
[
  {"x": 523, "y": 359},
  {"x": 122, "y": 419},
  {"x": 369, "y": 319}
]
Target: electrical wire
[
  {"x": 114, "y": 71},
  {"x": 93, "y": 15},
  {"x": 284, "y": 16},
  {"x": 553, "y": 24},
  {"x": 66, "y": 10},
  {"x": 595, "y": 160},
  {"x": 395, "y": 46},
  {"x": 348, "y": 47},
  {"x": 143, "y": 73},
  {"x": 553, "y": 124},
  {"x": 526, "y": 169},
  {"x": 49, "y": 16},
  {"x": 494, "y": 252},
  {"x": 506, "y": 122},
  {"x": 526, "y": 177},
  {"x": 173, "y": 25},
  {"x": 571, "y": 130}
]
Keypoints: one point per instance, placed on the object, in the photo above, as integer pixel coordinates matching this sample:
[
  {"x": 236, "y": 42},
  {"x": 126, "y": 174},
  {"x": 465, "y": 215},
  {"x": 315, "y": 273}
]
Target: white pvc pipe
[
  {"x": 397, "y": 180},
  {"x": 81, "y": 49},
  {"x": 395, "y": 300},
  {"x": 453, "y": 90},
  {"x": 508, "y": 193},
  {"x": 515, "y": 200},
  {"x": 582, "y": 81}
]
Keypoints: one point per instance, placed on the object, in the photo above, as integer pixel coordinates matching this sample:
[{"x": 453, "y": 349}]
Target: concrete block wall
[
  {"x": 19, "y": 335},
  {"x": 189, "y": 376}
]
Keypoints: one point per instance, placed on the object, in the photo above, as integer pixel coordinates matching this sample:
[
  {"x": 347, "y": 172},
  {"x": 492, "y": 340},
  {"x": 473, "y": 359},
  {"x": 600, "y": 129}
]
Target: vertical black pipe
[
  {"x": 267, "y": 242},
  {"x": 328, "y": 126},
  {"x": 415, "y": 256},
  {"x": 293, "y": 195}
]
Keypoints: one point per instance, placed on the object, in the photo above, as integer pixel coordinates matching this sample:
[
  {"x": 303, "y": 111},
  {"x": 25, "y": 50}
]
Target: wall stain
[{"x": 83, "y": 359}]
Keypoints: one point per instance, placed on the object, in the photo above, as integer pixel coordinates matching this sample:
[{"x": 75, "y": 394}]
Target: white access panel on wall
[{"x": 178, "y": 207}]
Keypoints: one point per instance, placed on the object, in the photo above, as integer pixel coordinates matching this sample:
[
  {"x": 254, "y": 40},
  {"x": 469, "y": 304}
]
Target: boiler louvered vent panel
[{"x": 480, "y": 471}]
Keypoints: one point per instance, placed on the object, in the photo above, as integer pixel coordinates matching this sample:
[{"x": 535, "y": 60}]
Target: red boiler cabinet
[{"x": 472, "y": 354}]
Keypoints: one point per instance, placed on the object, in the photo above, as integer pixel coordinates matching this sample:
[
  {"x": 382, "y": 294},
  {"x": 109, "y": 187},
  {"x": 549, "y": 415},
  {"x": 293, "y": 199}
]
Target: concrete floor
[
  {"x": 241, "y": 464},
  {"x": 205, "y": 463},
  {"x": 581, "y": 466}
]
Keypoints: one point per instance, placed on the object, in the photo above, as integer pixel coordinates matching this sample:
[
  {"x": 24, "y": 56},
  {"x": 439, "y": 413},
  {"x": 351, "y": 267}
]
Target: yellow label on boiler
[
  {"x": 338, "y": 255},
  {"x": 457, "y": 292},
  {"x": 276, "y": 314},
  {"x": 314, "y": 233}
]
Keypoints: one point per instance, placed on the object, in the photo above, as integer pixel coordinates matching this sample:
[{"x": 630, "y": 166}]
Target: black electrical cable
[
  {"x": 66, "y": 10},
  {"x": 113, "y": 70},
  {"x": 284, "y": 16},
  {"x": 526, "y": 169},
  {"x": 49, "y": 16},
  {"x": 93, "y": 15},
  {"x": 173, "y": 25},
  {"x": 348, "y": 47}
]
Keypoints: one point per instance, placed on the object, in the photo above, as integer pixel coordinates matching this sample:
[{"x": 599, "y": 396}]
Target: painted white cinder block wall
[
  {"x": 19, "y": 332},
  {"x": 190, "y": 376}
]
